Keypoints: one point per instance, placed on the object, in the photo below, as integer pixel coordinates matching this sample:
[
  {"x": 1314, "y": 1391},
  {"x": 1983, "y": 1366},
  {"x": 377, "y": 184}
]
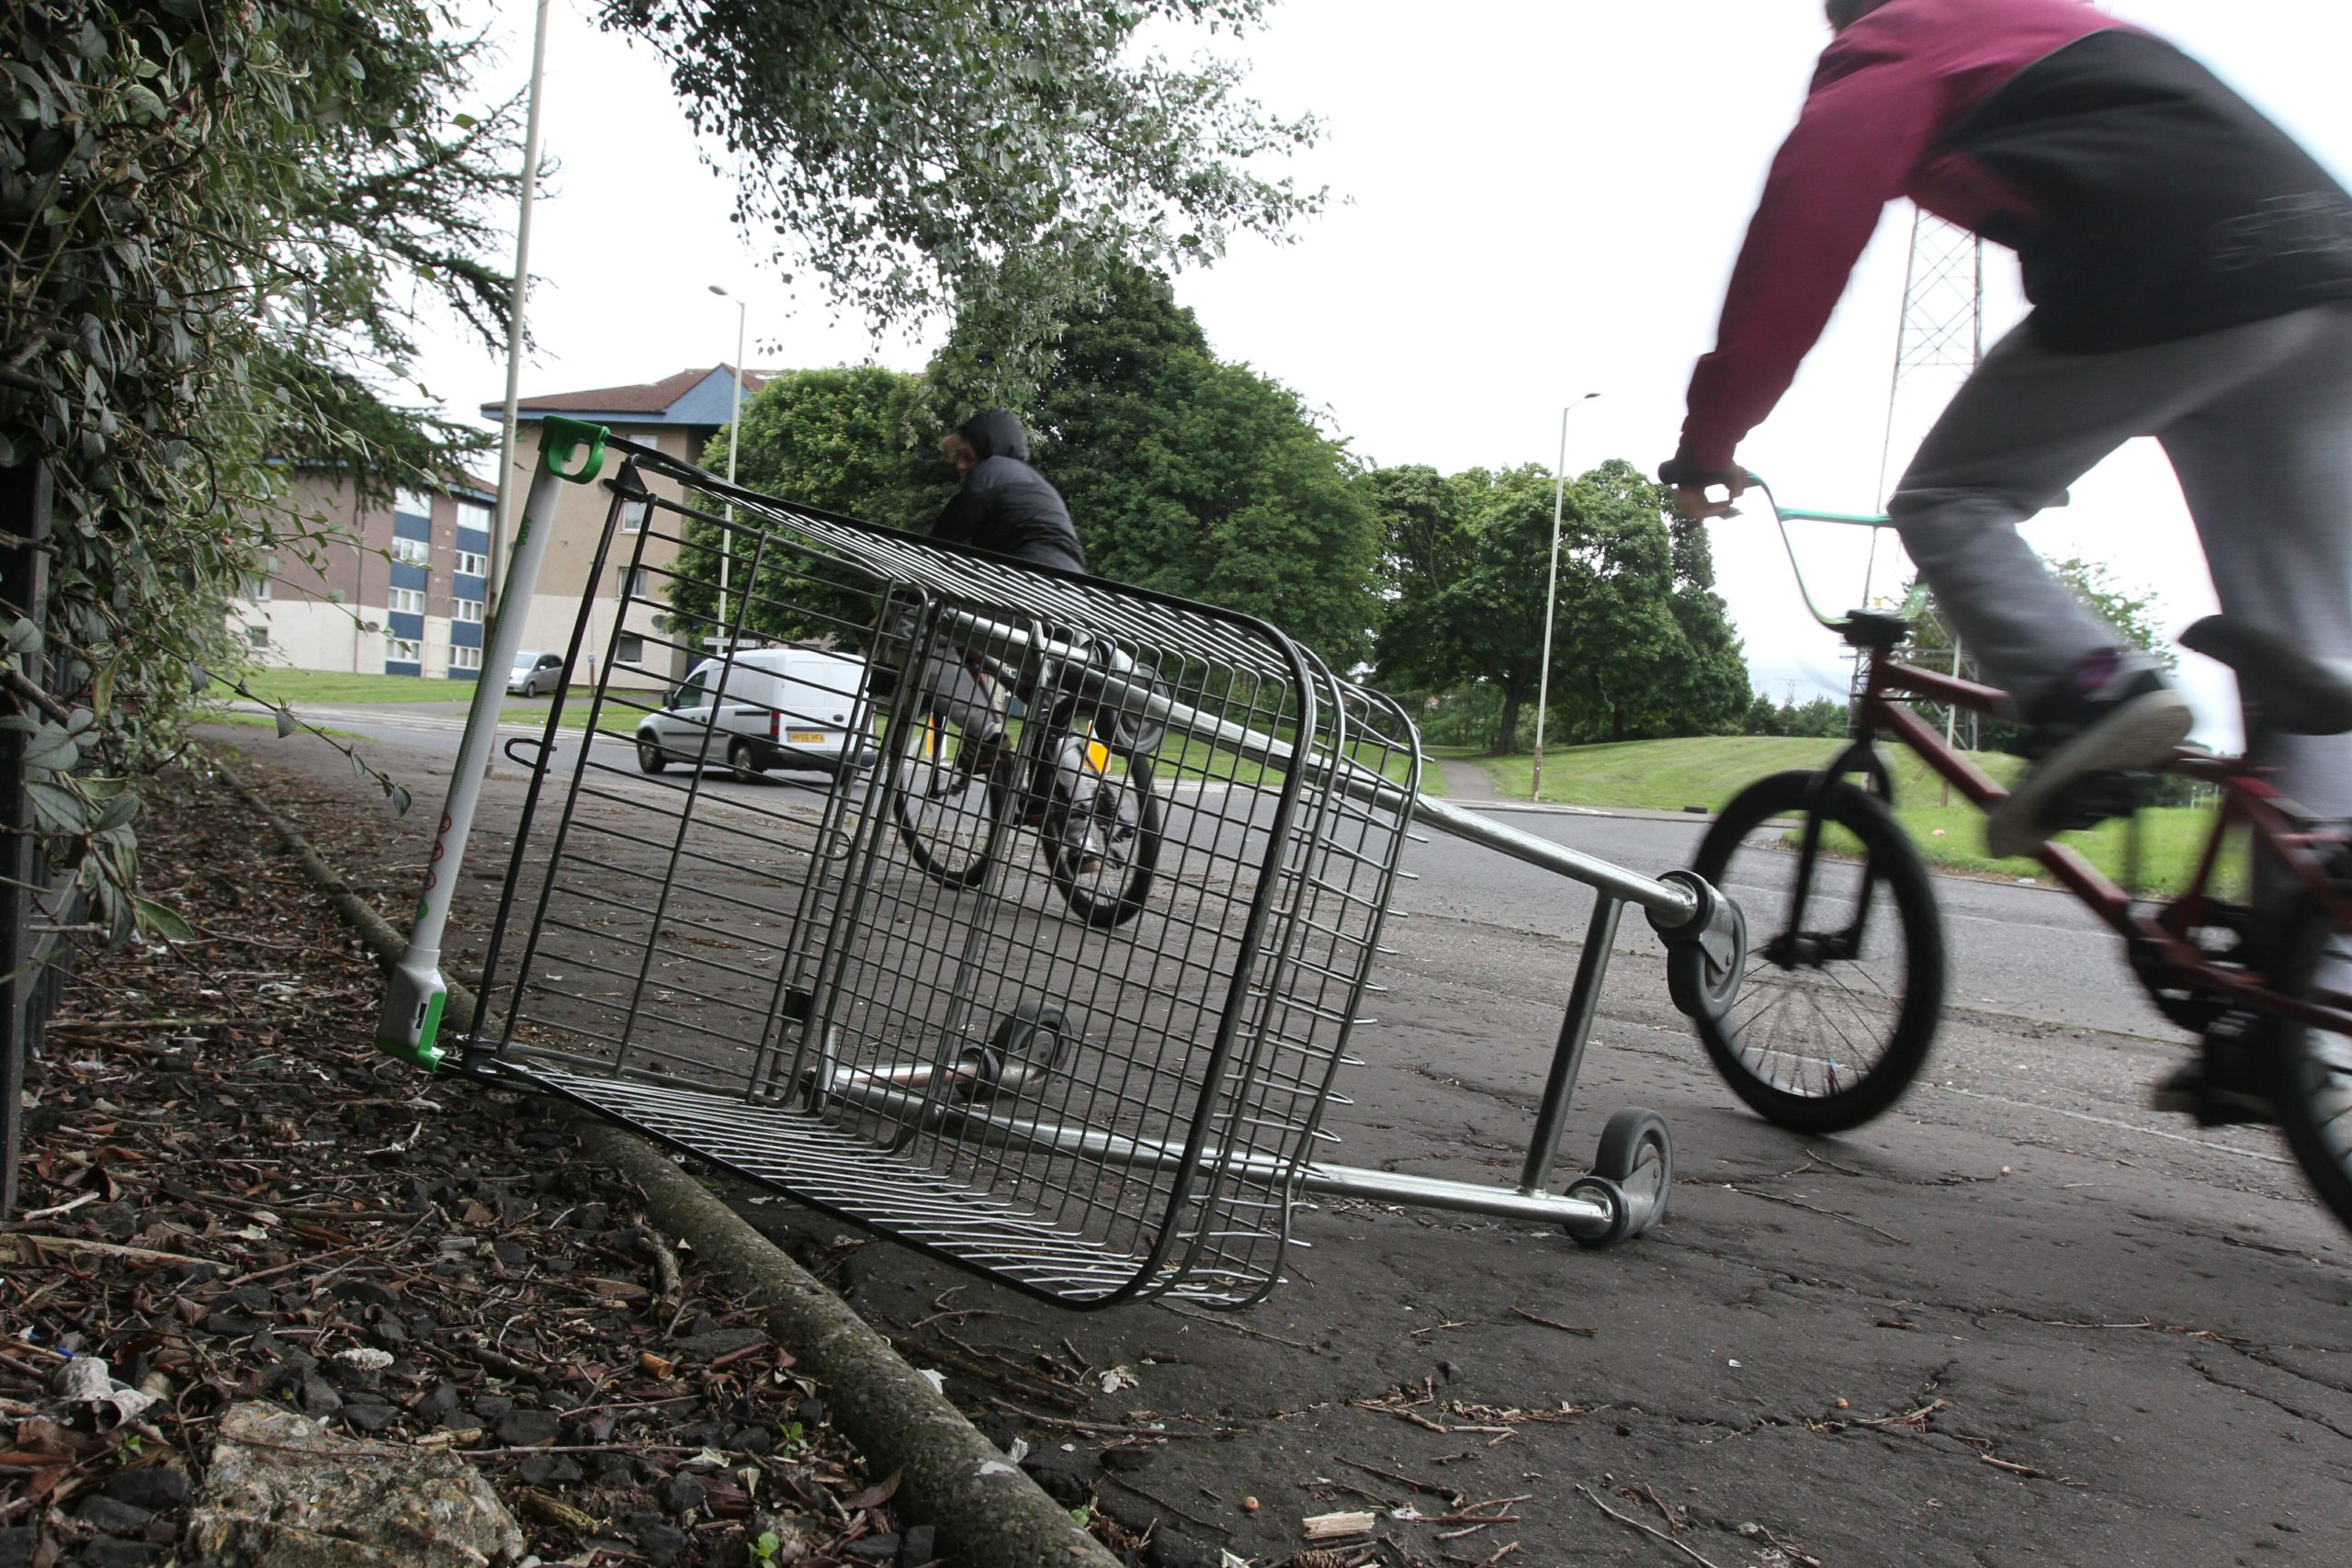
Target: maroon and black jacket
[{"x": 2146, "y": 201}]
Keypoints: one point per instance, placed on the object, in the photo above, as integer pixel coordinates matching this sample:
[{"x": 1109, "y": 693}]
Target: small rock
[
  {"x": 881, "y": 1547},
  {"x": 271, "y": 1468},
  {"x": 368, "y": 1418},
  {"x": 684, "y": 1492},
  {"x": 549, "y": 1470},
  {"x": 526, "y": 1429},
  {"x": 918, "y": 1544},
  {"x": 150, "y": 1486},
  {"x": 664, "y": 1545},
  {"x": 493, "y": 1407},
  {"x": 318, "y": 1395},
  {"x": 1127, "y": 1456},
  {"x": 109, "y": 1551},
  {"x": 112, "y": 1515},
  {"x": 440, "y": 1403}
]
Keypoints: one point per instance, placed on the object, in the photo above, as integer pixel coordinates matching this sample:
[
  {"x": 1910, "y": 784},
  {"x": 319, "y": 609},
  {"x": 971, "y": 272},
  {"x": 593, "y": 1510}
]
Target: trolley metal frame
[{"x": 1092, "y": 1096}]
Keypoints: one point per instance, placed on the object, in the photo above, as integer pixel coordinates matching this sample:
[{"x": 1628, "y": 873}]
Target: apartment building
[
  {"x": 373, "y": 589},
  {"x": 678, "y": 414}
]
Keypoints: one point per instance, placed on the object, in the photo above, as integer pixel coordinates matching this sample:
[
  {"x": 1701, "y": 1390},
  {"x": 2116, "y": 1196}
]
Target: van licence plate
[{"x": 807, "y": 738}]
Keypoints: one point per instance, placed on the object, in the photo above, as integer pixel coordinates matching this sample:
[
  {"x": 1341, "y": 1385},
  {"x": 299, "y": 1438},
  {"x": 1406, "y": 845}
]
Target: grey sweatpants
[{"x": 2257, "y": 422}]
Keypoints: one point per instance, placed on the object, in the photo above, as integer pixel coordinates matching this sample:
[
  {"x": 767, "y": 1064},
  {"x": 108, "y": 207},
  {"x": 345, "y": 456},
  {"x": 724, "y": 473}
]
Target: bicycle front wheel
[
  {"x": 943, "y": 813},
  {"x": 1845, "y": 980},
  {"x": 2311, "y": 1068},
  {"x": 1108, "y": 850}
]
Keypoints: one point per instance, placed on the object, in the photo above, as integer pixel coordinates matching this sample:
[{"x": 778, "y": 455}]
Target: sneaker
[
  {"x": 984, "y": 755},
  {"x": 2113, "y": 712}
]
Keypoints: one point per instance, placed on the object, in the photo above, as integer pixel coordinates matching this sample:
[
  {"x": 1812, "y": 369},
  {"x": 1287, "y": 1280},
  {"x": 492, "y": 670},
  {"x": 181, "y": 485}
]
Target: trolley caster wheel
[
  {"x": 1029, "y": 1042},
  {"x": 1609, "y": 1196},
  {"x": 1635, "y": 1165},
  {"x": 1706, "y": 957}
]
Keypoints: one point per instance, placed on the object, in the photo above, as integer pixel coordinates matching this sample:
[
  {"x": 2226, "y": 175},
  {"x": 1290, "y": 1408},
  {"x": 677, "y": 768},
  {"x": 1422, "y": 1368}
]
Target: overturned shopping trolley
[{"x": 1018, "y": 915}]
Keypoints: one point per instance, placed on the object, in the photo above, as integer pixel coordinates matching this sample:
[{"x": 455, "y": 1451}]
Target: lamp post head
[{"x": 717, "y": 289}]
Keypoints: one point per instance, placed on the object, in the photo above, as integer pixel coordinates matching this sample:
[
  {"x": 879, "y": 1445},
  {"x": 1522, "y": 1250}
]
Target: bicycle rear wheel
[
  {"x": 2311, "y": 1068},
  {"x": 1107, "y": 850},
  {"x": 943, "y": 812},
  {"x": 1845, "y": 955}
]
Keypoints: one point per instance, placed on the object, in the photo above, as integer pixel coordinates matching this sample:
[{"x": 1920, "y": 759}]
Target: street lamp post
[
  {"x": 1551, "y": 594},
  {"x": 734, "y": 424}
]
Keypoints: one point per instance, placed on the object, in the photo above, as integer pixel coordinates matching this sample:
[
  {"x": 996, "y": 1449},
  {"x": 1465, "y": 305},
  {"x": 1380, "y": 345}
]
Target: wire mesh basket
[{"x": 1016, "y": 914}]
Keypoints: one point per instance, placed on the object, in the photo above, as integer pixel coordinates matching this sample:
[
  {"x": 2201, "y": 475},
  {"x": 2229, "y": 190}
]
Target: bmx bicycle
[
  {"x": 1077, "y": 775},
  {"x": 1846, "y": 945}
]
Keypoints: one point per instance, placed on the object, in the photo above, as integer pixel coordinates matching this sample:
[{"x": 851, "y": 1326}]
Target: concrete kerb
[{"x": 988, "y": 1512}]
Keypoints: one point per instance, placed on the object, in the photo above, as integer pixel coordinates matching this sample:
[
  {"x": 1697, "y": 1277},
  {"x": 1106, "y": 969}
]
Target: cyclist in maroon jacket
[{"x": 2191, "y": 270}]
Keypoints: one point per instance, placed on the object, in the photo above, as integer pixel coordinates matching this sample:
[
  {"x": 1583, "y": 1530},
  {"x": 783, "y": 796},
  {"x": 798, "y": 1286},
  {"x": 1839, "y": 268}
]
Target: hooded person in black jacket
[{"x": 1005, "y": 504}]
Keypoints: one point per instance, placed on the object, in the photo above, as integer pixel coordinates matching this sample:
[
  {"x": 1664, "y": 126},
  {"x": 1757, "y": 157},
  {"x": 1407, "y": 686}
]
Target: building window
[
  {"x": 405, "y": 601},
  {"x": 636, "y": 582},
  {"x": 633, "y": 516},
  {"x": 256, "y": 636},
  {"x": 412, "y": 552},
  {"x": 464, "y": 657},
  {"x": 411, "y": 504},
  {"x": 473, "y": 514},
  {"x": 257, "y": 587},
  {"x": 628, "y": 648},
  {"x": 402, "y": 651},
  {"x": 466, "y": 610},
  {"x": 468, "y": 564}
]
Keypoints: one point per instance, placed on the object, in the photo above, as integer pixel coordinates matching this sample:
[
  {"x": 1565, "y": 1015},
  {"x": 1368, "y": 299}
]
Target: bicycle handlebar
[{"x": 1784, "y": 515}]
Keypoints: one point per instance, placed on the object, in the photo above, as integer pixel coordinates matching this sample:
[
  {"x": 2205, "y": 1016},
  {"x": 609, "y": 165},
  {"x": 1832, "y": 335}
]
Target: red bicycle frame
[{"x": 2162, "y": 929}]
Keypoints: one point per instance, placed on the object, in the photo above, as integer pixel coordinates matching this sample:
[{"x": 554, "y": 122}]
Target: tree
[
  {"x": 1640, "y": 645},
  {"x": 216, "y": 226},
  {"x": 919, "y": 153},
  {"x": 849, "y": 440},
  {"x": 1189, "y": 475}
]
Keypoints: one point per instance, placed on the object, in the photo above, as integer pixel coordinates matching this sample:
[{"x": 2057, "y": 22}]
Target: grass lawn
[
  {"x": 1707, "y": 771},
  {"x": 294, "y": 687}
]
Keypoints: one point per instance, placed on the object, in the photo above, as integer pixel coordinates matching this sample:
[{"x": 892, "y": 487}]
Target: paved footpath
[{"x": 2019, "y": 1321}]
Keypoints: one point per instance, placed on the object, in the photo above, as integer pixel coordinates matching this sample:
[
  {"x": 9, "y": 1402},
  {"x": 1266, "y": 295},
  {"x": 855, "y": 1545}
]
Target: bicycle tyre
[
  {"x": 1109, "y": 896},
  {"x": 1808, "y": 1016},
  {"x": 2312, "y": 1071},
  {"x": 944, "y": 816}
]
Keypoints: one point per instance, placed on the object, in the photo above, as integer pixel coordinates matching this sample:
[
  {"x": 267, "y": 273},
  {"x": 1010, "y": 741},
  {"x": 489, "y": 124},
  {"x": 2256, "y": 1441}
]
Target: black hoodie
[{"x": 1005, "y": 505}]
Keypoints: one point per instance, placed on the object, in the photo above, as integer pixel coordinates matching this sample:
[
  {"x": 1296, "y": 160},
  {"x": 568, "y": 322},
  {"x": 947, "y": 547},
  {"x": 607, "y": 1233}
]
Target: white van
[{"x": 793, "y": 708}]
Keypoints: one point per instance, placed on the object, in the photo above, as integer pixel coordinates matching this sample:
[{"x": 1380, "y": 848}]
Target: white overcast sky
[{"x": 1535, "y": 200}]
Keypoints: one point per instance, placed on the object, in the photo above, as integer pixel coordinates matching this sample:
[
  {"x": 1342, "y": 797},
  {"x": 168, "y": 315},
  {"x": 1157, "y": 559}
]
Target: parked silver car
[{"x": 535, "y": 674}]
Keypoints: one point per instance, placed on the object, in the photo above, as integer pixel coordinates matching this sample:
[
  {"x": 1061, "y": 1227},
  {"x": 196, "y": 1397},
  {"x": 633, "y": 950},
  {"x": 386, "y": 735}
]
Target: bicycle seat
[
  {"x": 1880, "y": 633},
  {"x": 2298, "y": 692}
]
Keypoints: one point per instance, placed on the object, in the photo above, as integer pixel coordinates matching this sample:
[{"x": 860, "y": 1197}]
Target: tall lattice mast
[{"x": 1942, "y": 338}]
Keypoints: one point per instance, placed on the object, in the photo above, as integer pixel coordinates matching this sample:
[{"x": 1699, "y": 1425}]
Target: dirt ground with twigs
[{"x": 2020, "y": 1320}]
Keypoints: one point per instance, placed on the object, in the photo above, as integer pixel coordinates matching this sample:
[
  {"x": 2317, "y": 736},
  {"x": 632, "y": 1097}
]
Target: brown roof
[{"x": 649, "y": 396}]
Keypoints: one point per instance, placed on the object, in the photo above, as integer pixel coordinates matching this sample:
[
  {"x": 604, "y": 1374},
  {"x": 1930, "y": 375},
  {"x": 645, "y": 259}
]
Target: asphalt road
[
  {"x": 2021, "y": 1319},
  {"x": 2029, "y": 953}
]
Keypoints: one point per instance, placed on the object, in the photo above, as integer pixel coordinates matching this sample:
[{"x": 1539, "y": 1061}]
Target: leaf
[
  {"x": 53, "y": 748},
  {"x": 286, "y": 724},
  {"x": 118, "y": 814},
  {"x": 401, "y": 800},
  {"x": 64, "y": 811},
  {"x": 24, "y": 637},
  {"x": 877, "y": 1494},
  {"x": 155, "y": 920}
]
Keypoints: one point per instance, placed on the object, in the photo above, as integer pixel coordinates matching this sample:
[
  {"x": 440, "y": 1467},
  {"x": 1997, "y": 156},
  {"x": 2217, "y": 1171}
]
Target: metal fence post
[{"x": 23, "y": 584}]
